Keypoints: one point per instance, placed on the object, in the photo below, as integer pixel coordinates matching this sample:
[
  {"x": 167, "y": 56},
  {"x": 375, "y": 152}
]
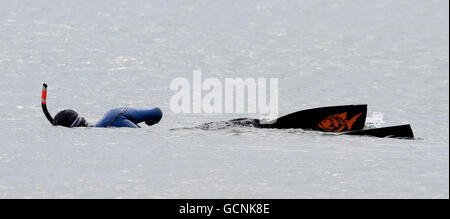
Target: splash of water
[{"x": 375, "y": 120}]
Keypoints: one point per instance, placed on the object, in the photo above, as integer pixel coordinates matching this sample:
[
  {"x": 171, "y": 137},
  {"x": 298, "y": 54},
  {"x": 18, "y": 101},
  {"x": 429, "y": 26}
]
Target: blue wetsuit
[{"x": 129, "y": 117}]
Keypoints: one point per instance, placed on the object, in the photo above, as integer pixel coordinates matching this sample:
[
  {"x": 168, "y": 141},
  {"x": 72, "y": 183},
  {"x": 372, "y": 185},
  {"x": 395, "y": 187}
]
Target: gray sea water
[{"x": 97, "y": 55}]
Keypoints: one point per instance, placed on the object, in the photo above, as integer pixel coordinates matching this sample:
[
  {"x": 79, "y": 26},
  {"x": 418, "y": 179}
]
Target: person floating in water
[{"x": 118, "y": 117}]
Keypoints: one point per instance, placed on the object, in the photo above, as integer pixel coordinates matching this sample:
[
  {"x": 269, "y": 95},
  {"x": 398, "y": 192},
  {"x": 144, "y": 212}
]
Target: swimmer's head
[{"x": 69, "y": 118}]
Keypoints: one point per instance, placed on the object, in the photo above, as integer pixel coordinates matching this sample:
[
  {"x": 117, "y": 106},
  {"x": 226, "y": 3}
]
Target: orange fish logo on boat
[{"x": 338, "y": 122}]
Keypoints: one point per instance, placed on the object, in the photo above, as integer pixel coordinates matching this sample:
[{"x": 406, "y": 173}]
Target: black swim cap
[{"x": 68, "y": 118}]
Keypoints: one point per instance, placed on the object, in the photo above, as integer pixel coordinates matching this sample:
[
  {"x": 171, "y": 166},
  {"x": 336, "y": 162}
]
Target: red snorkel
[{"x": 44, "y": 104}]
